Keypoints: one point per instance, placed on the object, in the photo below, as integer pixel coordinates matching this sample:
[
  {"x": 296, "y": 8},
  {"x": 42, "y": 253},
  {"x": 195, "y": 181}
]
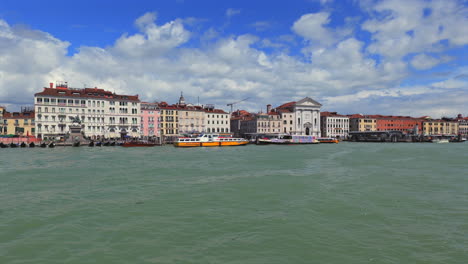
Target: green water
[{"x": 339, "y": 203}]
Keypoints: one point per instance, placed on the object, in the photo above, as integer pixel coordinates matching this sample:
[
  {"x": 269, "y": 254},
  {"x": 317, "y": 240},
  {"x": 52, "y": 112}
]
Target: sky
[{"x": 390, "y": 57}]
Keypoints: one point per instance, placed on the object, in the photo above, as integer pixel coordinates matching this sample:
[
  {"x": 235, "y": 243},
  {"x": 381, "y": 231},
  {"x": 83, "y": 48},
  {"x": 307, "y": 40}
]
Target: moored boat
[
  {"x": 440, "y": 140},
  {"x": 210, "y": 140},
  {"x": 288, "y": 140},
  {"x": 138, "y": 144},
  {"x": 328, "y": 140}
]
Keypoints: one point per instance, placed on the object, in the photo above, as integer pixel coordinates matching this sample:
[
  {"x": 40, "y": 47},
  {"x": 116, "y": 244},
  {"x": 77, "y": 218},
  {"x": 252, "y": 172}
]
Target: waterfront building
[
  {"x": 191, "y": 117},
  {"x": 102, "y": 114},
  {"x": 334, "y": 125},
  {"x": 302, "y": 117},
  {"x": 18, "y": 123},
  {"x": 3, "y": 124},
  {"x": 268, "y": 123},
  {"x": 238, "y": 122},
  {"x": 149, "y": 120},
  {"x": 440, "y": 127},
  {"x": 216, "y": 120},
  {"x": 361, "y": 123},
  {"x": 405, "y": 124},
  {"x": 462, "y": 125},
  {"x": 169, "y": 120}
]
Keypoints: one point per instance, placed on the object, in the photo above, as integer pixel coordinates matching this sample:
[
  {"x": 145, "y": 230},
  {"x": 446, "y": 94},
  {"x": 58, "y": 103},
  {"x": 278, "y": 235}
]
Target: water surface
[{"x": 338, "y": 203}]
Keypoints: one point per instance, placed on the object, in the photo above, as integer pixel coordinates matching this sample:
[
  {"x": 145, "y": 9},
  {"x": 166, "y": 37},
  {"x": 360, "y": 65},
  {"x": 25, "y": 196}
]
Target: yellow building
[
  {"x": 18, "y": 123},
  {"x": 361, "y": 123},
  {"x": 168, "y": 120},
  {"x": 440, "y": 127}
]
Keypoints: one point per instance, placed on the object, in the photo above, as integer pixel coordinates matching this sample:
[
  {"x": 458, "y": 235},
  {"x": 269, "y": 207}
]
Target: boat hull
[{"x": 136, "y": 144}]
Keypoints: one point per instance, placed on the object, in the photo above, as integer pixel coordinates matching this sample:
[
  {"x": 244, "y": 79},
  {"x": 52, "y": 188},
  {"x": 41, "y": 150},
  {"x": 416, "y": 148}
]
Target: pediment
[{"x": 307, "y": 101}]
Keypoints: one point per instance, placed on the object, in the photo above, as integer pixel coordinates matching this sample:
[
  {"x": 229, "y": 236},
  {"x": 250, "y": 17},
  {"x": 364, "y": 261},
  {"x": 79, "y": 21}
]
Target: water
[{"x": 340, "y": 203}]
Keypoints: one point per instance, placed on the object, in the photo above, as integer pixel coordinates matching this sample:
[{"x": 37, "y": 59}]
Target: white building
[
  {"x": 216, "y": 120},
  {"x": 334, "y": 125},
  {"x": 103, "y": 114},
  {"x": 301, "y": 117}
]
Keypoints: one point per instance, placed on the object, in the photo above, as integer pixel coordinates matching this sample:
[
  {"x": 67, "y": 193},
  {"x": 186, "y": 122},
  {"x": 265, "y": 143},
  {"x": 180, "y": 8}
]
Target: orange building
[{"x": 404, "y": 124}]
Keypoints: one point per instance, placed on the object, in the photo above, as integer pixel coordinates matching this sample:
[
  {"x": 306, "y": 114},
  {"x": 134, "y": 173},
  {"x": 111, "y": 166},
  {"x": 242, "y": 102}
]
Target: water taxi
[
  {"x": 328, "y": 140},
  {"x": 210, "y": 140}
]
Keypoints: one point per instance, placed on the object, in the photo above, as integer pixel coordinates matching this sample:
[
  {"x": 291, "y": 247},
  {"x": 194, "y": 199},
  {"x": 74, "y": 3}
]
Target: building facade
[
  {"x": 334, "y": 125},
  {"x": 301, "y": 117},
  {"x": 216, "y": 120},
  {"x": 149, "y": 120},
  {"x": 405, "y": 124},
  {"x": 440, "y": 127},
  {"x": 102, "y": 114},
  {"x": 169, "y": 120},
  {"x": 361, "y": 123},
  {"x": 462, "y": 125},
  {"x": 18, "y": 123}
]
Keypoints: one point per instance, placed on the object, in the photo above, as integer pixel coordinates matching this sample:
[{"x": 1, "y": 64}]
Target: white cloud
[
  {"x": 424, "y": 62},
  {"x": 403, "y": 27},
  {"x": 153, "y": 38},
  {"x": 312, "y": 27}
]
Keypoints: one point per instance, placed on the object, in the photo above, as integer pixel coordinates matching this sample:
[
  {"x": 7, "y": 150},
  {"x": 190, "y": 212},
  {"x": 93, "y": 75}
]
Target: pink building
[{"x": 150, "y": 119}]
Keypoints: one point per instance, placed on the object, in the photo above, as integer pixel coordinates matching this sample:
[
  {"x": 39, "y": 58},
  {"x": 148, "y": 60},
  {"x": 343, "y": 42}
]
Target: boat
[
  {"x": 210, "y": 140},
  {"x": 440, "y": 140},
  {"x": 106, "y": 144},
  {"x": 3, "y": 145},
  {"x": 43, "y": 145},
  {"x": 112, "y": 144},
  {"x": 76, "y": 144},
  {"x": 288, "y": 140},
  {"x": 98, "y": 144},
  {"x": 138, "y": 144},
  {"x": 328, "y": 140},
  {"x": 91, "y": 144},
  {"x": 32, "y": 145},
  {"x": 23, "y": 145},
  {"x": 13, "y": 145},
  {"x": 52, "y": 145}
]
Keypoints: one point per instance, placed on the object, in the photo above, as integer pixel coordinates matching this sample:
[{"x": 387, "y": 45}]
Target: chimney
[
  {"x": 268, "y": 108},
  {"x": 51, "y": 85}
]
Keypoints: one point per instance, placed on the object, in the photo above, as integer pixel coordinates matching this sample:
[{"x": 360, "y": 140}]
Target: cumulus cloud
[{"x": 402, "y": 27}]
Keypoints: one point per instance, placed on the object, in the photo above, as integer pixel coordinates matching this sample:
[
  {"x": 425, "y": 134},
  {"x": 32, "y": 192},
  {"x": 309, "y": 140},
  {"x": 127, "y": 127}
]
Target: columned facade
[{"x": 102, "y": 114}]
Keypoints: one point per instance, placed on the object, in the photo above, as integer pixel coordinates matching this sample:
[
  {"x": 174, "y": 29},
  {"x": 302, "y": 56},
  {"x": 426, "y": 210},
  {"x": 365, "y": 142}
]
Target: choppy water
[{"x": 344, "y": 203}]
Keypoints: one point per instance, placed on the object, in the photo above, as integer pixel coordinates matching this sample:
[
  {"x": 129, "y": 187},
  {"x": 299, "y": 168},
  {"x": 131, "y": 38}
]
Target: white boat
[
  {"x": 440, "y": 140},
  {"x": 288, "y": 140}
]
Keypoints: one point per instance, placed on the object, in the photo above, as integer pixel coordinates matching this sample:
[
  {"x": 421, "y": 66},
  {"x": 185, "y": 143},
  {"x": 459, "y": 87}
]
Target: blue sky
[{"x": 372, "y": 57}]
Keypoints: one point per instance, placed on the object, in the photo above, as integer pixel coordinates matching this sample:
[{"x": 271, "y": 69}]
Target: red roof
[
  {"x": 86, "y": 93},
  {"x": 18, "y": 115},
  {"x": 331, "y": 114},
  {"x": 286, "y": 105}
]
